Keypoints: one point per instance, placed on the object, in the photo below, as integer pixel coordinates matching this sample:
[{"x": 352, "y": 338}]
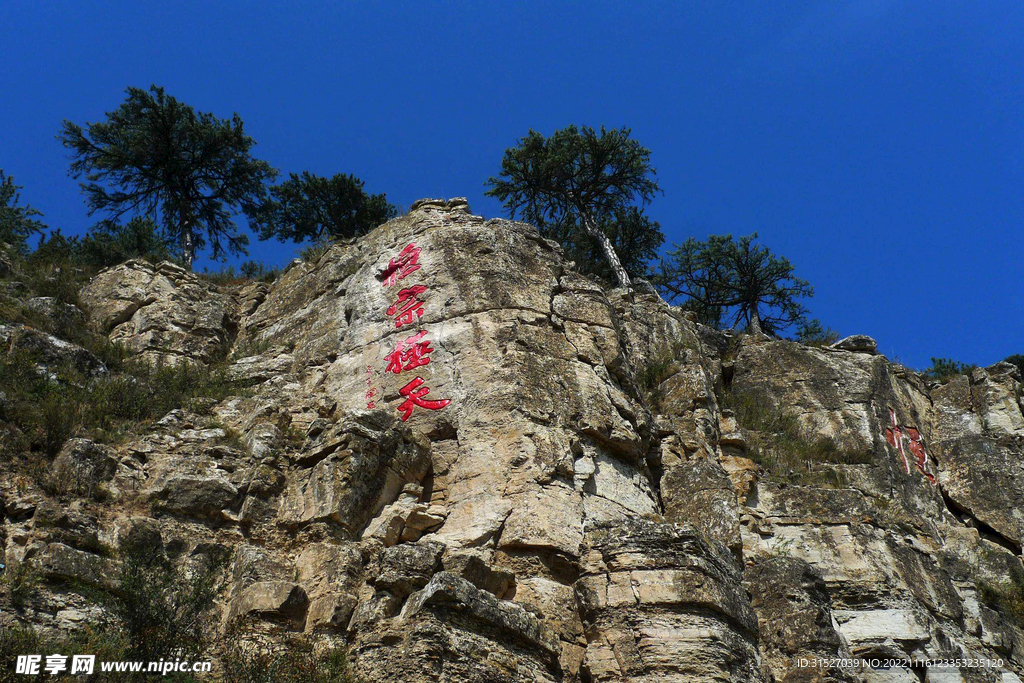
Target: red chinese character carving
[
  {"x": 408, "y": 262},
  {"x": 414, "y": 397},
  {"x": 408, "y": 307},
  {"x": 410, "y": 353},
  {"x": 371, "y": 390},
  {"x": 908, "y": 438}
]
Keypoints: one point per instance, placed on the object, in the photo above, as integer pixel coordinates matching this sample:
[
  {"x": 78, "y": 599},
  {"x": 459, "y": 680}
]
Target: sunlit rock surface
[{"x": 575, "y": 496}]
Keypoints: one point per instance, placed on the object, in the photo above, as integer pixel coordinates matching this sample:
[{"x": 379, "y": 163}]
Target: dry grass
[{"x": 789, "y": 452}]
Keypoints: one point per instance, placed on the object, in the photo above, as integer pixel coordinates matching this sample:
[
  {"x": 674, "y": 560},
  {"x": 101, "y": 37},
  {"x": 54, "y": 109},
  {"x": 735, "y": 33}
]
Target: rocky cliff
[{"x": 457, "y": 459}]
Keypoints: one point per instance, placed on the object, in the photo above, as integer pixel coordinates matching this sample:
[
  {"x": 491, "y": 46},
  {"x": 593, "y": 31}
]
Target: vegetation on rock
[
  {"x": 158, "y": 156},
  {"x": 813, "y": 333},
  {"x": 297, "y": 661},
  {"x": 945, "y": 369},
  {"x": 308, "y": 207},
  {"x": 737, "y": 282},
  {"x": 1018, "y": 360},
  {"x": 581, "y": 188},
  {"x": 46, "y": 404},
  {"x": 17, "y": 221},
  {"x": 787, "y": 450}
]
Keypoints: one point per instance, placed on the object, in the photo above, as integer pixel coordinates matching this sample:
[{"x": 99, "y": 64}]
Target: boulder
[
  {"x": 51, "y": 353},
  {"x": 81, "y": 467},
  {"x": 330, "y": 574},
  {"x": 794, "y": 614},
  {"x": 359, "y": 467},
  {"x": 407, "y": 567},
  {"x": 57, "y": 561},
  {"x": 471, "y": 567},
  {"x": 645, "y": 587},
  {"x": 857, "y": 343},
  {"x": 279, "y": 601},
  {"x": 67, "y": 525},
  {"x": 140, "y": 534},
  {"x": 162, "y": 312},
  {"x": 195, "y": 495}
]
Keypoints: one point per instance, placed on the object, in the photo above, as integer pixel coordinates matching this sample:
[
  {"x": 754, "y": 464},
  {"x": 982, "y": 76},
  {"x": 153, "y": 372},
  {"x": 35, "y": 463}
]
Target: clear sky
[{"x": 876, "y": 144}]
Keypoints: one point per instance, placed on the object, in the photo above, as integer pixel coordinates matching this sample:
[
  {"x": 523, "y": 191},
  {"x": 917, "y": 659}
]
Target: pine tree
[
  {"x": 17, "y": 222},
  {"x": 743, "y": 281},
  {"x": 582, "y": 189},
  {"x": 157, "y": 156},
  {"x": 309, "y": 207}
]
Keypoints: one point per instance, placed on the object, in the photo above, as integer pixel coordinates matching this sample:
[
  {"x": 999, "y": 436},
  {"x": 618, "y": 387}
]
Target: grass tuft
[
  {"x": 1006, "y": 597},
  {"x": 45, "y": 407},
  {"x": 300, "y": 662},
  {"x": 789, "y": 452}
]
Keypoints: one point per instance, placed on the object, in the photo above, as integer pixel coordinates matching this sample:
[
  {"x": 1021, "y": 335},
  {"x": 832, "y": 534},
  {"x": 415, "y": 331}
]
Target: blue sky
[{"x": 876, "y": 144}]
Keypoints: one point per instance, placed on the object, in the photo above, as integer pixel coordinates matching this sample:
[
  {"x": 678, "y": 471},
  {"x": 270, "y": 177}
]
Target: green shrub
[
  {"x": 21, "y": 641},
  {"x": 788, "y": 451},
  {"x": 62, "y": 281},
  {"x": 224, "y": 276},
  {"x": 60, "y": 419},
  {"x": 313, "y": 252},
  {"x": 17, "y": 221},
  {"x": 33, "y": 403},
  {"x": 157, "y": 610},
  {"x": 812, "y": 333},
  {"x": 298, "y": 662},
  {"x": 945, "y": 369},
  {"x": 105, "y": 644},
  {"x": 655, "y": 372},
  {"x": 161, "y": 608},
  {"x": 111, "y": 243},
  {"x": 107, "y": 641},
  {"x": 1018, "y": 360},
  {"x": 49, "y": 406},
  {"x": 257, "y": 270},
  {"x": 20, "y": 582},
  {"x": 1006, "y": 597},
  {"x": 650, "y": 376},
  {"x": 251, "y": 346}
]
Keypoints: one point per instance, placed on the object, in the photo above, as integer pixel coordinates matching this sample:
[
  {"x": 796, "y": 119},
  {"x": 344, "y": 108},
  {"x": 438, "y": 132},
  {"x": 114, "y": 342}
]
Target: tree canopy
[
  {"x": 106, "y": 244},
  {"x": 587, "y": 190},
  {"x": 17, "y": 222},
  {"x": 1018, "y": 360},
  {"x": 111, "y": 243},
  {"x": 813, "y": 333},
  {"x": 309, "y": 207},
  {"x": 634, "y": 237},
  {"x": 155, "y": 155},
  {"x": 737, "y": 281}
]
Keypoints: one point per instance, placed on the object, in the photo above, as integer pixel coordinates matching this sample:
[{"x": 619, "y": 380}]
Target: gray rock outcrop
[{"x": 457, "y": 459}]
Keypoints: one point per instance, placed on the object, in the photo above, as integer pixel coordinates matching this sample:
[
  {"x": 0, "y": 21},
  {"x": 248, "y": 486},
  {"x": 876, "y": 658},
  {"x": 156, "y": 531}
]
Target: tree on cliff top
[
  {"x": 309, "y": 207},
  {"x": 155, "y": 155},
  {"x": 17, "y": 222},
  {"x": 581, "y": 188},
  {"x": 736, "y": 279}
]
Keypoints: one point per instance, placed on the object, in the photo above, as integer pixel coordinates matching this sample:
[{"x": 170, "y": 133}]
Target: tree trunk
[
  {"x": 609, "y": 250},
  {"x": 755, "y": 320},
  {"x": 188, "y": 244},
  {"x": 188, "y": 249}
]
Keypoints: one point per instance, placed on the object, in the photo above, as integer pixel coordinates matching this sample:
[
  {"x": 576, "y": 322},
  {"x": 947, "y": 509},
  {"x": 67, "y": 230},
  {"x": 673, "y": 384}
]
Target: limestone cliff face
[{"x": 463, "y": 461}]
